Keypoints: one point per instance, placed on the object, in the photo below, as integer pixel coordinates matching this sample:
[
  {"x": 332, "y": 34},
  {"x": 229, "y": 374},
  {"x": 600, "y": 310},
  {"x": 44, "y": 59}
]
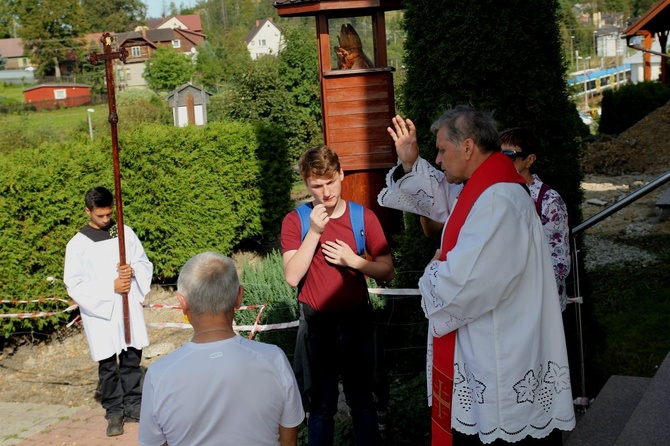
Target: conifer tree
[{"x": 502, "y": 57}]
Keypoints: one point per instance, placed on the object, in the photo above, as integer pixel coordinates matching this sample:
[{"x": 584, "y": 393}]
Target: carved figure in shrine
[{"x": 349, "y": 52}]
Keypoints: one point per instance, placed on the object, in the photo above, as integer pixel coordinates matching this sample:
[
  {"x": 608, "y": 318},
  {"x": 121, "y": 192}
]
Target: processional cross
[{"x": 113, "y": 119}]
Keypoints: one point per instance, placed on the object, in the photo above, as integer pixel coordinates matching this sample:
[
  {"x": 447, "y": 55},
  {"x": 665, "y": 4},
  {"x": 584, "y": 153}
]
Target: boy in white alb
[{"x": 96, "y": 282}]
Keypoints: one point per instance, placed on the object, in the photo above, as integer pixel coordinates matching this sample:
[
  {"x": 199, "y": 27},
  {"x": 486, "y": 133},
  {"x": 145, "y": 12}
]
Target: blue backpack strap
[
  {"x": 356, "y": 217},
  {"x": 303, "y": 212},
  {"x": 358, "y": 225}
]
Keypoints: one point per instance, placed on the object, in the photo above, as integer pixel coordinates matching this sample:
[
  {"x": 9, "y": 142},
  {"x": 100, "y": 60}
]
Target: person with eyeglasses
[
  {"x": 520, "y": 145},
  {"x": 497, "y": 366}
]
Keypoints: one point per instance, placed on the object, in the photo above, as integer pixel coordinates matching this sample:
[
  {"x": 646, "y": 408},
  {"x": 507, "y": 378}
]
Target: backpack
[{"x": 355, "y": 216}]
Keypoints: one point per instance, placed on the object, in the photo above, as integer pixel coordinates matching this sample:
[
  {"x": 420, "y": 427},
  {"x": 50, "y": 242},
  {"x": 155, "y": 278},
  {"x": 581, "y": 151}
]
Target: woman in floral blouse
[{"x": 521, "y": 146}]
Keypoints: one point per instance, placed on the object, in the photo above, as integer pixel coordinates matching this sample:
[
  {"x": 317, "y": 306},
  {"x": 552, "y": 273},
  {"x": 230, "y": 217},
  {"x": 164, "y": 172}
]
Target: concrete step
[
  {"x": 649, "y": 425},
  {"x": 605, "y": 419}
]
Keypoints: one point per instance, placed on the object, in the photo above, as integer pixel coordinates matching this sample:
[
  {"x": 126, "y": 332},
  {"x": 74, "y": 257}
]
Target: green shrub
[
  {"x": 17, "y": 134},
  {"x": 624, "y": 107},
  {"x": 141, "y": 106},
  {"x": 264, "y": 284},
  {"x": 185, "y": 190}
]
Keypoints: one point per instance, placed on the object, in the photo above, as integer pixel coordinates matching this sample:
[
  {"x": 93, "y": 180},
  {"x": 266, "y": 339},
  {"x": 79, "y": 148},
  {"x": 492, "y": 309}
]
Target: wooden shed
[
  {"x": 51, "y": 96},
  {"x": 189, "y": 105}
]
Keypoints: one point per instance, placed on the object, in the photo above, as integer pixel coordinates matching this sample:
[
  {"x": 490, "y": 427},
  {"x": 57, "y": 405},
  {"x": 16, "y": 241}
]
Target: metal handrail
[{"x": 584, "y": 401}]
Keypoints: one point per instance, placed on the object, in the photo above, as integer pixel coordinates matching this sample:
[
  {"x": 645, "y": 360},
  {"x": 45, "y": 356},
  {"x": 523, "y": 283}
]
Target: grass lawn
[
  {"x": 12, "y": 93},
  {"x": 631, "y": 304},
  {"x": 65, "y": 119}
]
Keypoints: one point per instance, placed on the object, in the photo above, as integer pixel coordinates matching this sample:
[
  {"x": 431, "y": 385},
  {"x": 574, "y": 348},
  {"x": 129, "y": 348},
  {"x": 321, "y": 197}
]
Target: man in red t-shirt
[{"x": 335, "y": 337}]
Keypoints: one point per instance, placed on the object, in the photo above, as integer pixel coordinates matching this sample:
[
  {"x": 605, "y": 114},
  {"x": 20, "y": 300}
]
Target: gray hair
[
  {"x": 465, "y": 122},
  {"x": 209, "y": 283}
]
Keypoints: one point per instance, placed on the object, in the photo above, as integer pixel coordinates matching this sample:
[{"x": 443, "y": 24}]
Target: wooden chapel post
[
  {"x": 357, "y": 103},
  {"x": 108, "y": 56}
]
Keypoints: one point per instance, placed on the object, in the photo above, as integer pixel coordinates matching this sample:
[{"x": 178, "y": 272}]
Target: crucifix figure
[{"x": 108, "y": 56}]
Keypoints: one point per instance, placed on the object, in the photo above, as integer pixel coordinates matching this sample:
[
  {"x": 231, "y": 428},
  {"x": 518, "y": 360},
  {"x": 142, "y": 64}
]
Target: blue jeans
[{"x": 341, "y": 345}]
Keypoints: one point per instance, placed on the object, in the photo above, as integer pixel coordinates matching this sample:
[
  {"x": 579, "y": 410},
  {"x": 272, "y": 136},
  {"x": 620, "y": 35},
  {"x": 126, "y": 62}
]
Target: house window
[
  {"x": 136, "y": 51},
  {"x": 176, "y": 43},
  {"x": 127, "y": 74},
  {"x": 261, "y": 42},
  {"x": 60, "y": 94}
]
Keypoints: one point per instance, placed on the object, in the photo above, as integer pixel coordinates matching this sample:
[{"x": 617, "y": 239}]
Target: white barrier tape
[
  {"x": 266, "y": 327},
  {"x": 36, "y": 315},
  {"x": 178, "y": 307},
  {"x": 76, "y": 320},
  {"x": 42, "y": 299},
  {"x": 169, "y": 325},
  {"x": 161, "y": 306},
  {"x": 395, "y": 291}
]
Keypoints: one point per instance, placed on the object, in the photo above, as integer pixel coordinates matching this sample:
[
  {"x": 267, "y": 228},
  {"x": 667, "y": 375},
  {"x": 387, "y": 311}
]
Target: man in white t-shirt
[{"x": 220, "y": 388}]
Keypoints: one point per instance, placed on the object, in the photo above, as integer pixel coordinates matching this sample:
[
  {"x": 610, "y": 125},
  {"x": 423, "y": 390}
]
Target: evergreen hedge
[
  {"x": 624, "y": 107},
  {"x": 498, "y": 58},
  {"x": 184, "y": 190}
]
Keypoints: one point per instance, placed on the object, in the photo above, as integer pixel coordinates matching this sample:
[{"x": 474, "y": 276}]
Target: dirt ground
[{"x": 61, "y": 371}]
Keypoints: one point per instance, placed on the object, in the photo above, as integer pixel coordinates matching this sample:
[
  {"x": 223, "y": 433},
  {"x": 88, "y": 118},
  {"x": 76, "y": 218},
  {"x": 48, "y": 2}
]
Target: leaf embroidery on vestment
[
  {"x": 525, "y": 388},
  {"x": 558, "y": 376}
]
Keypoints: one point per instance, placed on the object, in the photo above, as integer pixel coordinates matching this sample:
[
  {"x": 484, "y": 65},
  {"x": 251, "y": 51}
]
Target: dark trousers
[
  {"x": 341, "y": 344},
  {"x": 120, "y": 389},
  {"x": 555, "y": 438}
]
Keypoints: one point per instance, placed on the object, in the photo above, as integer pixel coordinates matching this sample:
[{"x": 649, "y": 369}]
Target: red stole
[{"x": 497, "y": 168}]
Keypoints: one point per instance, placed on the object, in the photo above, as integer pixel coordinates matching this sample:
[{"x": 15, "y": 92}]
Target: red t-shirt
[{"x": 326, "y": 286}]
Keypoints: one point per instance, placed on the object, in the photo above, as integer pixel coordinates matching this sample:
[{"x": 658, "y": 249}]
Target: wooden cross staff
[{"x": 113, "y": 119}]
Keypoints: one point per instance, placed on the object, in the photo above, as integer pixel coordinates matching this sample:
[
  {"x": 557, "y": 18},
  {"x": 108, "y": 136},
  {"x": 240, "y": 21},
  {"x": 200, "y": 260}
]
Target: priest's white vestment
[{"x": 497, "y": 288}]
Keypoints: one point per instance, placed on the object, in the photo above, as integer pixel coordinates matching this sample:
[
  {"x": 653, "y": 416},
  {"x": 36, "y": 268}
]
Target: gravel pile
[{"x": 643, "y": 148}]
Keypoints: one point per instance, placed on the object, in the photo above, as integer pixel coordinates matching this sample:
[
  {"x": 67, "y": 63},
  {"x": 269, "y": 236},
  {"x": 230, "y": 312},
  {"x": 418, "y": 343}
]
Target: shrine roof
[
  {"x": 287, "y": 8},
  {"x": 655, "y": 20}
]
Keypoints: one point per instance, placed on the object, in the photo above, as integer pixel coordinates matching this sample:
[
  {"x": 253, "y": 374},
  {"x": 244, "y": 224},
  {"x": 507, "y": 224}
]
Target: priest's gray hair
[
  {"x": 209, "y": 283},
  {"x": 465, "y": 122}
]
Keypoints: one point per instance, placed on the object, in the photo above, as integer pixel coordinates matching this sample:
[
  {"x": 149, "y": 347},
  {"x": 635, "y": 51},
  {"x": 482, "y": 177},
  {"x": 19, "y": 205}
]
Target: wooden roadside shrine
[
  {"x": 94, "y": 58},
  {"x": 654, "y": 22},
  {"x": 357, "y": 96}
]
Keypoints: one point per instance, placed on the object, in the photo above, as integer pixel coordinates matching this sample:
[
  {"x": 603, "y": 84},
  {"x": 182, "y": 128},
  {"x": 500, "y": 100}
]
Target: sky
[{"x": 155, "y": 7}]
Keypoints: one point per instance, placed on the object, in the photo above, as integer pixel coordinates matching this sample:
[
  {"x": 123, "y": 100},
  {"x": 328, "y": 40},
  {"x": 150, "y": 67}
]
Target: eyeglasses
[{"x": 513, "y": 155}]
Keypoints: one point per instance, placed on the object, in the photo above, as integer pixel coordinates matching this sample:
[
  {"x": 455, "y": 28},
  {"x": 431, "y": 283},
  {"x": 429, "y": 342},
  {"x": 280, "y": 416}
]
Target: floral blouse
[{"x": 555, "y": 222}]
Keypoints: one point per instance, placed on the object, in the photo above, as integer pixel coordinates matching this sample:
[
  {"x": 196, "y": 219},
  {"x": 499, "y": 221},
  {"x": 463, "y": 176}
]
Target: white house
[
  {"x": 636, "y": 62},
  {"x": 191, "y": 22},
  {"x": 264, "y": 38}
]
